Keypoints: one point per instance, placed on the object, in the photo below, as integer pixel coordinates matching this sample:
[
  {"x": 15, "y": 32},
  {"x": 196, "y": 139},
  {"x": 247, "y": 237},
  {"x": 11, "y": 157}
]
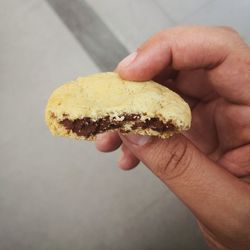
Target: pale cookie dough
[{"x": 104, "y": 102}]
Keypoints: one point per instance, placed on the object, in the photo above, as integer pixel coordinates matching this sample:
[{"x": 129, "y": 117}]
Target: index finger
[{"x": 220, "y": 51}]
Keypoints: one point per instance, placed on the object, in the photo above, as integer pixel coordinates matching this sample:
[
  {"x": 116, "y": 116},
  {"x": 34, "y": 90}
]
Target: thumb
[{"x": 202, "y": 185}]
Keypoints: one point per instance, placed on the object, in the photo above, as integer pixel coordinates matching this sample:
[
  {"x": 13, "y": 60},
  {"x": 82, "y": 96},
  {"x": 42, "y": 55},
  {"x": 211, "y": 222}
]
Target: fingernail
[
  {"x": 128, "y": 60},
  {"x": 139, "y": 140}
]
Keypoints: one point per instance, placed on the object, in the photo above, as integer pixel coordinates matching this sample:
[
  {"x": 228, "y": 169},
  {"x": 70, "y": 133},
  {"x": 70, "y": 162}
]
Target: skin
[{"x": 207, "y": 167}]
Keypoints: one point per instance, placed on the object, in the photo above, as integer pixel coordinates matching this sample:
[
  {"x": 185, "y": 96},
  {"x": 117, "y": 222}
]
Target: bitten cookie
[{"x": 103, "y": 102}]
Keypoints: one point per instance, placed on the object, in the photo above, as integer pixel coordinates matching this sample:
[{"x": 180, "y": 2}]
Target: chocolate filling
[{"x": 87, "y": 127}]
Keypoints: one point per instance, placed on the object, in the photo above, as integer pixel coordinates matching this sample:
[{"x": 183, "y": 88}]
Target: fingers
[
  {"x": 220, "y": 51},
  {"x": 176, "y": 47},
  {"x": 195, "y": 84},
  {"x": 237, "y": 161},
  {"x": 108, "y": 142},
  {"x": 111, "y": 141},
  {"x": 235, "y": 122},
  {"x": 127, "y": 159},
  {"x": 201, "y": 184}
]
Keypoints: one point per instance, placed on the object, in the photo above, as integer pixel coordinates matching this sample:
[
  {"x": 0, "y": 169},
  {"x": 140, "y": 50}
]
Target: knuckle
[
  {"x": 231, "y": 33},
  {"x": 175, "y": 161}
]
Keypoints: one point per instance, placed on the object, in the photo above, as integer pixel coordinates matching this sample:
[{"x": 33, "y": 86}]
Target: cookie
[{"x": 103, "y": 102}]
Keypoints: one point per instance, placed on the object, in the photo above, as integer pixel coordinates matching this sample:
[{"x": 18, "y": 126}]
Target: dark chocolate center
[{"x": 87, "y": 127}]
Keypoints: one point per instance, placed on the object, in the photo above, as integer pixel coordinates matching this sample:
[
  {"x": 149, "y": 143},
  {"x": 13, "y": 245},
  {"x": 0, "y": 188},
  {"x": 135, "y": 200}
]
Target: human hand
[{"x": 206, "y": 166}]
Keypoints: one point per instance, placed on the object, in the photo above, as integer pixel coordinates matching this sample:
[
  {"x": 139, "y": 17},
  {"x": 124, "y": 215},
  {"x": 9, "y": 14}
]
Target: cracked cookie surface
[{"x": 104, "y": 102}]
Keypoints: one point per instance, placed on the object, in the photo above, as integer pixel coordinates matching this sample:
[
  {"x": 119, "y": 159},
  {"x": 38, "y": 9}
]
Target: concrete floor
[{"x": 61, "y": 194}]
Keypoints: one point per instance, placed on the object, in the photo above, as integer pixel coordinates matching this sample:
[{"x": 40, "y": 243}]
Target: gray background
[{"x": 61, "y": 194}]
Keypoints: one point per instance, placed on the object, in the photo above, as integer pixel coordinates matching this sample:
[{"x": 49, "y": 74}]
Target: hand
[{"x": 207, "y": 167}]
